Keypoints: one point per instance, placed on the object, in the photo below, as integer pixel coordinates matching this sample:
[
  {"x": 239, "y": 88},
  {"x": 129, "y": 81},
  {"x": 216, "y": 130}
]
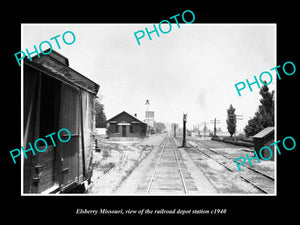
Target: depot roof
[{"x": 133, "y": 119}]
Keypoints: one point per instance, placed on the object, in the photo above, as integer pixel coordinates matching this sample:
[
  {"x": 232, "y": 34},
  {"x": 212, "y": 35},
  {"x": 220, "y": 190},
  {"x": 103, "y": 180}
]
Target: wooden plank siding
[
  {"x": 69, "y": 151},
  {"x": 54, "y": 99}
]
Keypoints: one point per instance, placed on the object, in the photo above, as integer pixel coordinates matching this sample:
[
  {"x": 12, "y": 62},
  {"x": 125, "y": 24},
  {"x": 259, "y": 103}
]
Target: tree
[
  {"x": 231, "y": 120},
  {"x": 264, "y": 116},
  {"x": 159, "y": 127},
  {"x": 100, "y": 115}
]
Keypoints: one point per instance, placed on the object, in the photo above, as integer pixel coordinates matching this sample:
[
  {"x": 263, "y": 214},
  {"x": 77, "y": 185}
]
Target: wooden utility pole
[
  {"x": 174, "y": 127},
  {"x": 204, "y": 128},
  {"x": 215, "y": 121},
  {"x": 184, "y": 130}
]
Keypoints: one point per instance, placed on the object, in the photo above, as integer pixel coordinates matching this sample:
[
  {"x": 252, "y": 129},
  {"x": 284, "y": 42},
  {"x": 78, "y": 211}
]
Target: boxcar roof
[{"x": 52, "y": 65}]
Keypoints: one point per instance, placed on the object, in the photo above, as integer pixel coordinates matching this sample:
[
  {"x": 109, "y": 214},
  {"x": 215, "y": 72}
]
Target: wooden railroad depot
[{"x": 126, "y": 125}]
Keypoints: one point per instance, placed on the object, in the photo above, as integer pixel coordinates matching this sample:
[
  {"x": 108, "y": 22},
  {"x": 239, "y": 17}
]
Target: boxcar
[{"x": 54, "y": 97}]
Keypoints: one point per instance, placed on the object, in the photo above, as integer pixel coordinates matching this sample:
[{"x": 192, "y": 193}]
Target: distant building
[
  {"x": 100, "y": 131},
  {"x": 264, "y": 138},
  {"x": 126, "y": 125},
  {"x": 149, "y": 118}
]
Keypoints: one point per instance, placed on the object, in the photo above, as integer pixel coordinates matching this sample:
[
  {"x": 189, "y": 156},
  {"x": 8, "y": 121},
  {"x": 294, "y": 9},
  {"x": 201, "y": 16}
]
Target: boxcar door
[
  {"x": 49, "y": 111},
  {"x": 69, "y": 151},
  {"x": 41, "y": 104}
]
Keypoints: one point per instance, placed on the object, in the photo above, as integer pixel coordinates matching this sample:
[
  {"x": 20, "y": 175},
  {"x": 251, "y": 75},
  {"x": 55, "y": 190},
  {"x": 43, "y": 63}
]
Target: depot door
[{"x": 123, "y": 130}]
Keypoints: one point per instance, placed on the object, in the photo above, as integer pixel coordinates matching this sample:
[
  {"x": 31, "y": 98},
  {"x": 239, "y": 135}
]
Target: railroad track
[
  {"x": 167, "y": 173},
  {"x": 263, "y": 182}
]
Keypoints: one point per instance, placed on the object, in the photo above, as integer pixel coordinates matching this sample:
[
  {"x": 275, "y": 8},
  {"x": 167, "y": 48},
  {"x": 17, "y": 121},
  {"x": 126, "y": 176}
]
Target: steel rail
[
  {"x": 257, "y": 171},
  {"x": 156, "y": 166},
  {"x": 179, "y": 168},
  {"x": 241, "y": 176}
]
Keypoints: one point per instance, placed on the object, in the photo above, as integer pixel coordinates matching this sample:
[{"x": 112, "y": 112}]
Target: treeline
[
  {"x": 100, "y": 115},
  {"x": 263, "y": 117}
]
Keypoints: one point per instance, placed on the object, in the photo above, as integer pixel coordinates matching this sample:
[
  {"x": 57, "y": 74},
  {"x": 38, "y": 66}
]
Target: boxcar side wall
[
  {"x": 31, "y": 123},
  {"x": 50, "y": 105},
  {"x": 88, "y": 130}
]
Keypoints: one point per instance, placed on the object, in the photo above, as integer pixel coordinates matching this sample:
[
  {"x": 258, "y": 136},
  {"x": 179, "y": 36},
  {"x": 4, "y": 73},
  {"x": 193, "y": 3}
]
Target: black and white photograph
[
  {"x": 151, "y": 113},
  {"x": 178, "y": 113}
]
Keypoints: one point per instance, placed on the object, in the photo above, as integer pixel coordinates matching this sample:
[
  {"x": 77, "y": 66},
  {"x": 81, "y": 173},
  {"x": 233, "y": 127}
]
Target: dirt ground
[
  {"x": 223, "y": 180},
  {"x": 233, "y": 152},
  {"x": 116, "y": 160}
]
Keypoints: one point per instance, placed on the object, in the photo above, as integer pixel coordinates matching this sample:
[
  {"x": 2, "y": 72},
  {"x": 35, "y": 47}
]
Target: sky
[{"x": 191, "y": 69}]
